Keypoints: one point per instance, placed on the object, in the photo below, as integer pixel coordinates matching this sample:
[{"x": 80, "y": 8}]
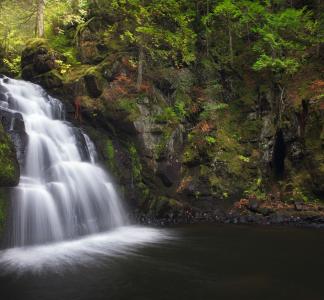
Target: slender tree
[{"x": 40, "y": 28}]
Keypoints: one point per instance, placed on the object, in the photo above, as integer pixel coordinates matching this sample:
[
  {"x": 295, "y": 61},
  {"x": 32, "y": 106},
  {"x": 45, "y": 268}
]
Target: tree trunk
[
  {"x": 40, "y": 32},
  {"x": 207, "y": 37},
  {"x": 140, "y": 68},
  {"x": 230, "y": 42}
]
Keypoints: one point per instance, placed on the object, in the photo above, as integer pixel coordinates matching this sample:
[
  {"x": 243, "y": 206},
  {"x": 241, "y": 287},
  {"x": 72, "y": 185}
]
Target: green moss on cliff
[
  {"x": 137, "y": 174},
  {"x": 3, "y": 208},
  {"x": 136, "y": 163},
  {"x": 110, "y": 154},
  {"x": 9, "y": 169}
]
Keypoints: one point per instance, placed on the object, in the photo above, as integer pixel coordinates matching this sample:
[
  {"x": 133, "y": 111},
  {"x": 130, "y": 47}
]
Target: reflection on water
[
  {"x": 85, "y": 251},
  {"x": 192, "y": 262}
]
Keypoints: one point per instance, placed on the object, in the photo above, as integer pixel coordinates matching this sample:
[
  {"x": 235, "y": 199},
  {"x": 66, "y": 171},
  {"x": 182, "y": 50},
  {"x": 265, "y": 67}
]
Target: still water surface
[{"x": 190, "y": 262}]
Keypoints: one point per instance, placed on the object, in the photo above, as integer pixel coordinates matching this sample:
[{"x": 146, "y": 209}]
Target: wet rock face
[
  {"x": 9, "y": 166},
  {"x": 279, "y": 145},
  {"x": 293, "y": 152},
  {"x": 81, "y": 143},
  {"x": 13, "y": 124}
]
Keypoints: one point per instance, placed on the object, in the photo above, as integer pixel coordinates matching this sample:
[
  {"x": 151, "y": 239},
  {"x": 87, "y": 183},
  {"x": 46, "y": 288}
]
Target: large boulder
[{"x": 39, "y": 64}]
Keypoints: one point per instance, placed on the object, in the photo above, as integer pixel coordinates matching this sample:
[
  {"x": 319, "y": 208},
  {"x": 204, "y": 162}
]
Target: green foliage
[
  {"x": 110, "y": 154},
  {"x": 168, "y": 115},
  {"x": 63, "y": 67},
  {"x": 160, "y": 28},
  {"x": 162, "y": 145},
  {"x": 210, "y": 110},
  {"x": 136, "y": 164},
  {"x": 61, "y": 14},
  {"x": 256, "y": 190},
  {"x": 282, "y": 40},
  {"x": 281, "y": 34},
  {"x": 137, "y": 170},
  {"x": 210, "y": 140},
  {"x": 299, "y": 195},
  {"x": 180, "y": 109},
  {"x": 129, "y": 106},
  {"x": 17, "y": 24},
  {"x": 13, "y": 65}
]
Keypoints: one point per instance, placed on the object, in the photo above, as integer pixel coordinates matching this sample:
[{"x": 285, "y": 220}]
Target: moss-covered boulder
[{"x": 39, "y": 64}]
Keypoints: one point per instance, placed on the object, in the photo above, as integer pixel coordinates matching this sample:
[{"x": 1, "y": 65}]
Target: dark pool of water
[{"x": 202, "y": 262}]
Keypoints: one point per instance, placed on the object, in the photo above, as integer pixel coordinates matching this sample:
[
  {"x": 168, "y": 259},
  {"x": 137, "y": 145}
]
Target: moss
[
  {"x": 110, "y": 154},
  {"x": 36, "y": 43},
  {"x": 3, "y": 208},
  {"x": 51, "y": 79},
  {"x": 137, "y": 174},
  {"x": 76, "y": 72},
  {"x": 256, "y": 189},
  {"x": 83, "y": 26},
  {"x": 62, "y": 44},
  {"x": 9, "y": 169},
  {"x": 168, "y": 116},
  {"x": 162, "y": 206},
  {"x": 129, "y": 106},
  {"x": 190, "y": 155},
  {"x": 34, "y": 46},
  {"x": 123, "y": 109},
  {"x": 161, "y": 147},
  {"x": 136, "y": 164}
]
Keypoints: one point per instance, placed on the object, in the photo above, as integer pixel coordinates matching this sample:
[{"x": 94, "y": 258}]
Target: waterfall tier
[{"x": 62, "y": 193}]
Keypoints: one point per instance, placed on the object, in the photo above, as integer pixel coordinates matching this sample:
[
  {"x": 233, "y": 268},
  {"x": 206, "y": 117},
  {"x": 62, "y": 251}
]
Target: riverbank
[{"x": 245, "y": 211}]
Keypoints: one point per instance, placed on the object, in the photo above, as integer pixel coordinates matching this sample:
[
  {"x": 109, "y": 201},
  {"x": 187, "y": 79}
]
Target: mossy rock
[
  {"x": 50, "y": 80},
  {"x": 4, "y": 200},
  {"x": 33, "y": 48},
  {"x": 162, "y": 207},
  {"x": 9, "y": 167},
  {"x": 94, "y": 85},
  {"x": 39, "y": 64},
  {"x": 122, "y": 113}
]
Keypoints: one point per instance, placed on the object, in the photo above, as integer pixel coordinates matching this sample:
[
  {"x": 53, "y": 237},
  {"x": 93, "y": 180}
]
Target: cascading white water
[{"x": 62, "y": 193}]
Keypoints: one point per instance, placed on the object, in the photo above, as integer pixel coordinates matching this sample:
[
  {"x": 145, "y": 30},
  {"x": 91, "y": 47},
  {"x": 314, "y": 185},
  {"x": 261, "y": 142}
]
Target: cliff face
[{"x": 198, "y": 138}]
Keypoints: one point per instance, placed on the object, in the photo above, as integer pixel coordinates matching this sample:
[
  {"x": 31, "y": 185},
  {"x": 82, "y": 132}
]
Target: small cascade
[{"x": 62, "y": 193}]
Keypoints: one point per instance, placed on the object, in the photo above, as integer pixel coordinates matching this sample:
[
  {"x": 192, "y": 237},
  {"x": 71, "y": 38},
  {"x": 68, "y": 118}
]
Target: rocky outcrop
[
  {"x": 39, "y": 64},
  {"x": 178, "y": 142}
]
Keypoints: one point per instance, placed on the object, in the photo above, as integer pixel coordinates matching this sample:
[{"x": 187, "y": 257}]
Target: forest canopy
[{"x": 276, "y": 35}]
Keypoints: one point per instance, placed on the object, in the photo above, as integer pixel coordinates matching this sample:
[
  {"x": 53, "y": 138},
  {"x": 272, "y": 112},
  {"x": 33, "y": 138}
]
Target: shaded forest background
[{"x": 190, "y": 102}]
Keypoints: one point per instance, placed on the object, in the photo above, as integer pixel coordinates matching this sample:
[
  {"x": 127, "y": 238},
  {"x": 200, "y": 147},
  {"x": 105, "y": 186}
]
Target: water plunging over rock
[{"x": 62, "y": 193}]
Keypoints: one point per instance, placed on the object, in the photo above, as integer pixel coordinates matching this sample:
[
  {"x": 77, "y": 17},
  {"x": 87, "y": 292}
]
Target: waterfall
[{"x": 63, "y": 194}]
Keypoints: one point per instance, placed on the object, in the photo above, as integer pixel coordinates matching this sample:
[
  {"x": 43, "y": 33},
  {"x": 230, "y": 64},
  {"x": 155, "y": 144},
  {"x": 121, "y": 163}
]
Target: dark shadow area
[{"x": 279, "y": 155}]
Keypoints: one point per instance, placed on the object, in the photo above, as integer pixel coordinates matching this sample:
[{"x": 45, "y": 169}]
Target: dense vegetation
[{"x": 217, "y": 99}]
